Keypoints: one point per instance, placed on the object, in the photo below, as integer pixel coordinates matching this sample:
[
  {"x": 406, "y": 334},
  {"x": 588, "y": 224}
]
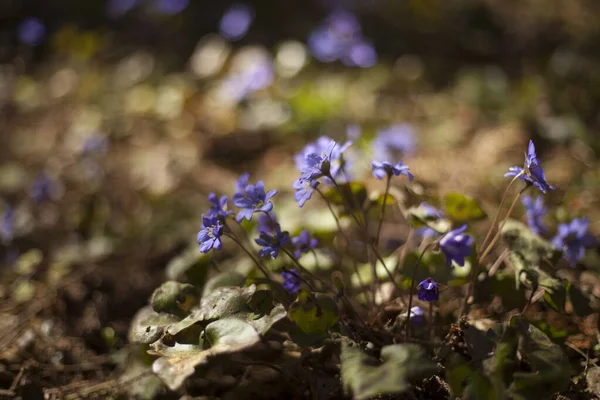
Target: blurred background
[{"x": 118, "y": 117}]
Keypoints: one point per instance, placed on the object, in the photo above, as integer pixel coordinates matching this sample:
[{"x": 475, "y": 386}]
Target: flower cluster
[
  {"x": 531, "y": 173},
  {"x": 573, "y": 239},
  {"x": 456, "y": 246}
]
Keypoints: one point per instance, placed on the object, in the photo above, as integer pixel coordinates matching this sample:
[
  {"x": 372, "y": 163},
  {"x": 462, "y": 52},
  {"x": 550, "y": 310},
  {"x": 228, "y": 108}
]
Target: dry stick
[
  {"x": 412, "y": 288},
  {"x": 260, "y": 267},
  {"x": 495, "y": 221}
]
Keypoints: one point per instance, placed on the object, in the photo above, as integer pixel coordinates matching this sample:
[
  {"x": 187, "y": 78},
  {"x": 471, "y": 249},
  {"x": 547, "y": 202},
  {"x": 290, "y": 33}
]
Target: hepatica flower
[
  {"x": 31, "y": 31},
  {"x": 304, "y": 190},
  {"x": 535, "y": 213},
  {"x": 428, "y": 290},
  {"x": 430, "y": 211},
  {"x": 218, "y": 206},
  {"x": 236, "y": 21},
  {"x": 532, "y": 172},
  {"x": 291, "y": 281},
  {"x": 241, "y": 183},
  {"x": 456, "y": 246},
  {"x": 42, "y": 188},
  {"x": 303, "y": 243},
  {"x": 253, "y": 199},
  {"x": 266, "y": 222},
  {"x": 272, "y": 243},
  {"x": 209, "y": 236},
  {"x": 573, "y": 239},
  {"x": 394, "y": 142},
  {"x": 329, "y": 162},
  {"x": 383, "y": 169},
  {"x": 416, "y": 315}
]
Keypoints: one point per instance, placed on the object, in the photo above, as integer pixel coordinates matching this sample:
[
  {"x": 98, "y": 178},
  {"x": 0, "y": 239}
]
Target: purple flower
[
  {"x": 42, "y": 188},
  {"x": 170, "y": 7},
  {"x": 291, "y": 281},
  {"x": 416, "y": 315},
  {"x": 241, "y": 183},
  {"x": 253, "y": 199},
  {"x": 266, "y": 222},
  {"x": 383, "y": 169},
  {"x": 255, "y": 76},
  {"x": 361, "y": 54},
  {"x": 532, "y": 172},
  {"x": 236, "y": 21},
  {"x": 456, "y": 246},
  {"x": 31, "y": 31},
  {"x": 535, "y": 213},
  {"x": 573, "y": 239},
  {"x": 394, "y": 142},
  {"x": 303, "y": 243},
  {"x": 353, "y": 132},
  {"x": 209, "y": 236},
  {"x": 7, "y": 225},
  {"x": 329, "y": 163},
  {"x": 428, "y": 290},
  {"x": 432, "y": 212},
  {"x": 218, "y": 206},
  {"x": 319, "y": 146},
  {"x": 304, "y": 190},
  {"x": 272, "y": 243}
]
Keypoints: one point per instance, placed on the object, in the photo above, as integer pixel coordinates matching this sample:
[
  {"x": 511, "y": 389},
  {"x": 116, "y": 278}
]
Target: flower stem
[
  {"x": 382, "y": 214},
  {"x": 412, "y": 287},
  {"x": 304, "y": 270},
  {"x": 430, "y": 322},
  {"x": 262, "y": 269},
  {"x": 337, "y": 221},
  {"x": 495, "y": 221}
]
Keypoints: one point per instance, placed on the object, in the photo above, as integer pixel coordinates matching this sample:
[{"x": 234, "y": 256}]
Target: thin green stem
[
  {"x": 382, "y": 214},
  {"x": 412, "y": 288},
  {"x": 262, "y": 269},
  {"x": 337, "y": 221},
  {"x": 495, "y": 221}
]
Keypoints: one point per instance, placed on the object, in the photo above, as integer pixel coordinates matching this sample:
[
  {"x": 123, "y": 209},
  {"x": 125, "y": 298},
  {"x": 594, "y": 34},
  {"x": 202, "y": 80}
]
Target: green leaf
[
  {"x": 314, "y": 312},
  {"x": 229, "y": 278},
  {"x": 365, "y": 376},
  {"x": 174, "y": 298},
  {"x": 148, "y": 326},
  {"x": 232, "y": 332},
  {"x": 461, "y": 208}
]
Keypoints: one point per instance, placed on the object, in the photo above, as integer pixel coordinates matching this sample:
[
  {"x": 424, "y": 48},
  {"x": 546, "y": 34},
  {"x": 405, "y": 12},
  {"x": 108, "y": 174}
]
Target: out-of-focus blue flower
[
  {"x": 319, "y": 146},
  {"x": 339, "y": 37},
  {"x": 573, "y": 239},
  {"x": 42, "y": 188},
  {"x": 360, "y": 54},
  {"x": 254, "y": 77},
  {"x": 7, "y": 225},
  {"x": 236, "y": 21},
  {"x": 394, "y": 142},
  {"x": 416, "y": 315},
  {"x": 266, "y": 222},
  {"x": 303, "y": 243},
  {"x": 253, "y": 199},
  {"x": 430, "y": 211},
  {"x": 353, "y": 132},
  {"x": 209, "y": 236},
  {"x": 456, "y": 246},
  {"x": 387, "y": 169},
  {"x": 118, "y": 8},
  {"x": 428, "y": 290},
  {"x": 329, "y": 163},
  {"x": 218, "y": 206},
  {"x": 170, "y": 7},
  {"x": 532, "y": 171},
  {"x": 272, "y": 243},
  {"x": 31, "y": 31},
  {"x": 535, "y": 213},
  {"x": 304, "y": 190},
  {"x": 241, "y": 183},
  {"x": 291, "y": 281}
]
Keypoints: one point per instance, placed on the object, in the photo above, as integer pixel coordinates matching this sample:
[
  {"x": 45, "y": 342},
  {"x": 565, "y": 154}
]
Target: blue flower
[
  {"x": 218, "y": 206},
  {"x": 241, "y": 183},
  {"x": 210, "y": 235},
  {"x": 170, "y": 7},
  {"x": 573, "y": 239},
  {"x": 7, "y": 225},
  {"x": 319, "y": 146},
  {"x": 303, "y": 243},
  {"x": 266, "y": 222},
  {"x": 383, "y": 169},
  {"x": 428, "y": 290},
  {"x": 430, "y": 211},
  {"x": 416, "y": 315},
  {"x": 42, "y": 188},
  {"x": 532, "y": 172},
  {"x": 236, "y": 21},
  {"x": 272, "y": 243},
  {"x": 456, "y": 246},
  {"x": 253, "y": 199},
  {"x": 329, "y": 163},
  {"x": 291, "y": 281},
  {"x": 394, "y": 142},
  {"x": 32, "y": 31},
  {"x": 304, "y": 190},
  {"x": 535, "y": 213},
  {"x": 253, "y": 76}
]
